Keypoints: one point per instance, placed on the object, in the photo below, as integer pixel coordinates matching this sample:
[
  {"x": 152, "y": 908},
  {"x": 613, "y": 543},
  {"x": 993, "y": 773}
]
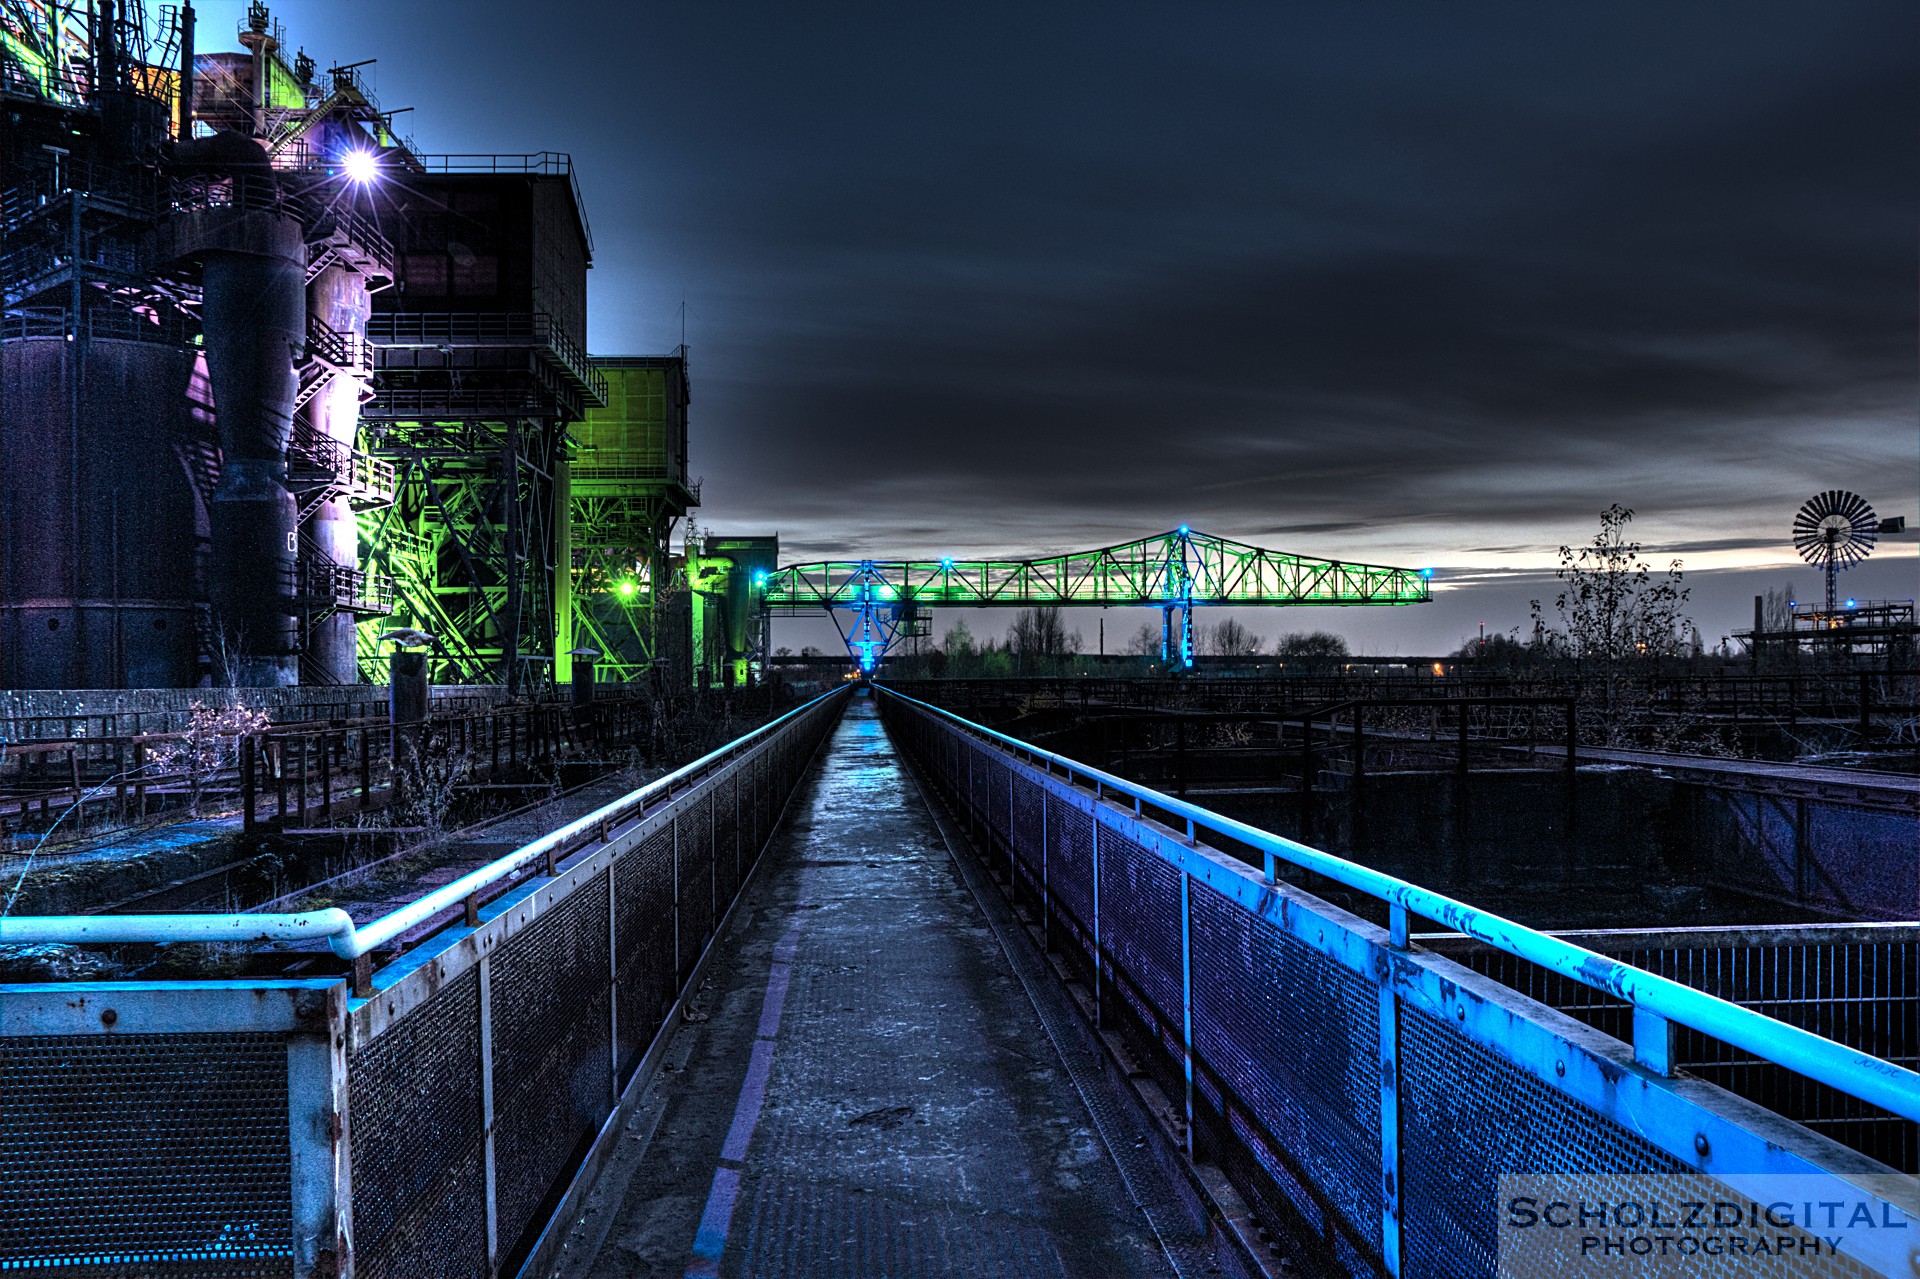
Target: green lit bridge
[{"x": 875, "y": 603}]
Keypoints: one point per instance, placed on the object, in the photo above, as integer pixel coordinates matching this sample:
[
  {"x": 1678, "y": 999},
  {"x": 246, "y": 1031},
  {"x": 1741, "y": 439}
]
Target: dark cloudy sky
[{"x": 1423, "y": 284}]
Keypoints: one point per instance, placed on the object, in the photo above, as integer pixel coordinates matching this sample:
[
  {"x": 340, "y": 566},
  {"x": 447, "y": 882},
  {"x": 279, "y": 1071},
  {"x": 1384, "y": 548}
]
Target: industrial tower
[{"x": 275, "y": 382}]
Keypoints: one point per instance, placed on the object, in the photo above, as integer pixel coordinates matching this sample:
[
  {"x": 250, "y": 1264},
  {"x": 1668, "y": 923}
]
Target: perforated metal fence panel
[
  {"x": 694, "y": 836},
  {"x": 644, "y": 984},
  {"x": 1367, "y": 1097},
  {"x": 1294, "y": 1042},
  {"x": 552, "y": 1065},
  {"x": 418, "y": 1144},
  {"x": 1857, "y": 985},
  {"x": 196, "y": 1129},
  {"x": 187, "y": 1134}
]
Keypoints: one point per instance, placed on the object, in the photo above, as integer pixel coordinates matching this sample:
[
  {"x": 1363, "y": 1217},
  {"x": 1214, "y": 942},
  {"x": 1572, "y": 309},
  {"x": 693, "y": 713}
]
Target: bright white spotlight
[{"x": 360, "y": 166}]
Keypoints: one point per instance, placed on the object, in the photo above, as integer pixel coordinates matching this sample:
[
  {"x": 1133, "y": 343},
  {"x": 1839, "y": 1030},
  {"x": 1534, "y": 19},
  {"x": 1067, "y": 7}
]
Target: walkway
[
  {"x": 1810, "y": 781},
  {"x": 872, "y": 1091}
]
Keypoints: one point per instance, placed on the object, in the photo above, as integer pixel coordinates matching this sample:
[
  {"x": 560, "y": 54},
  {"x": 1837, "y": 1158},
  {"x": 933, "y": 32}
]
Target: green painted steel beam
[{"x": 1180, "y": 568}]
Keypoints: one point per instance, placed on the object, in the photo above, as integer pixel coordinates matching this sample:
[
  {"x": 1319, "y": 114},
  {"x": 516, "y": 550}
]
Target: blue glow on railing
[{"x": 1871, "y": 1079}]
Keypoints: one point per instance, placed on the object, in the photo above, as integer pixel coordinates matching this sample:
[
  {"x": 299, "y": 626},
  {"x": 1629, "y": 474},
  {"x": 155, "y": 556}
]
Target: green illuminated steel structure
[
  {"x": 476, "y": 383},
  {"x": 1175, "y": 572},
  {"x": 623, "y": 488}
]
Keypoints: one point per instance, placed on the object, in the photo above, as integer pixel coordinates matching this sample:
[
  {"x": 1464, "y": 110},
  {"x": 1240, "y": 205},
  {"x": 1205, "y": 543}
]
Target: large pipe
[
  {"x": 339, "y": 298},
  {"x": 106, "y": 49},
  {"x": 186, "y": 71}
]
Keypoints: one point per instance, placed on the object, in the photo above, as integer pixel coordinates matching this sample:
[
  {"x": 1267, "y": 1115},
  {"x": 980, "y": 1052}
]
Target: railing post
[
  {"x": 1046, "y": 899},
  {"x": 673, "y": 825},
  {"x": 613, "y": 994},
  {"x": 490, "y": 1173},
  {"x": 1099, "y": 956},
  {"x": 1391, "y": 1213},
  {"x": 1186, "y": 1000},
  {"x": 1306, "y": 777},
  {"x": 1652, "y": 1041},
  {"x": 248, "y": 748},
  {"x": 1390, "y": 1165}
]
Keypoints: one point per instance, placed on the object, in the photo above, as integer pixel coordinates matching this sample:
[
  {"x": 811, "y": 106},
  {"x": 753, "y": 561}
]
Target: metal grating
[
  {"x": 726, "y": 842},
  {"x": 1027, "y": 798},
  {"x": 999, "y": 779},
  {"x": 695, "y": 879},
  {"x": 1070, "y": 860},
  {"x": 1140, "y": 922},
  {"x": 149, "y": 1155},
  {"x": 1294, "y": 1040},
  {"x": 643, "y": 930},
  {"x": 1469, "y": 1116},
  {"x": 552, "y": 1072},
  {"x": 418, "y": 1146},
  {"x": 1865, "y": 994}
]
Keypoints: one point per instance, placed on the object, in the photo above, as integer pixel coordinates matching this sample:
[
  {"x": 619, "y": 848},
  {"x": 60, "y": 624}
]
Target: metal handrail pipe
[
  {"x": 26, "y": 930},
  {"x": 1881, "y": 1083},
  {"x": 343, "y": 937}
]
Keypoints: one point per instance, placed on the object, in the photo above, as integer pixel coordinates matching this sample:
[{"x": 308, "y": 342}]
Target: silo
[
  {"x": 252, "y": 256},
  {"x": 338, "y": 297},
  {"x": 96, "y": 512}
]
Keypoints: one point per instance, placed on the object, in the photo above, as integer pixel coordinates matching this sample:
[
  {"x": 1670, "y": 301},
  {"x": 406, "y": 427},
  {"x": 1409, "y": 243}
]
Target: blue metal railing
[
  {"x": 335, "y": 926},
  {"x": 1656, "y": 1000}
]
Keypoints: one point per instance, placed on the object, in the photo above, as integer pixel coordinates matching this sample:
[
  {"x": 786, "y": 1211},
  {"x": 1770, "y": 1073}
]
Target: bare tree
[
  {"x": 1616, "y": 621},
  {"x": 1310, "y": 644},
  {"x": 1145, "y": 642},
  {"x": 1039, "y": 637},
  {"x": 1228, "y": 638},
  {"x": 1612, "y": 609},
  {"x": 1776, "y": 608},
  {"x": 209, "y": 746}
]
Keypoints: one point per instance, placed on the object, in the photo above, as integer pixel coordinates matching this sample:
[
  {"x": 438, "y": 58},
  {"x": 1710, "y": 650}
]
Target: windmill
[{"x": 1834, "y": 530}]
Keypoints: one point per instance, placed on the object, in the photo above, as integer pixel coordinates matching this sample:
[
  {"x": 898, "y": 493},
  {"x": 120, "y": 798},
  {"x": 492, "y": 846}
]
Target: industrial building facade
[{"x": 275, "y": 384}]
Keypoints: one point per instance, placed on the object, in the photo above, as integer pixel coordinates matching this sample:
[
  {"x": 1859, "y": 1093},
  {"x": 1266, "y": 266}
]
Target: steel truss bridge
[{"x": 877, "y": 603}]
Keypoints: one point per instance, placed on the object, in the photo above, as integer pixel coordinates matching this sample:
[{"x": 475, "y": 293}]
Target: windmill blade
[{"x": 1835, "y": 528}]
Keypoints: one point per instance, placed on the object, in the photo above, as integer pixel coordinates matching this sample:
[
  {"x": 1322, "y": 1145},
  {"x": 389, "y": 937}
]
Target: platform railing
[
  {"x": 1358, "y": 1088},
  {"x": 431, "y": 1122}
]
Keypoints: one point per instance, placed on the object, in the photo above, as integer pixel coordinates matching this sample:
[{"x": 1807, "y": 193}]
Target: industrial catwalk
[{"x": 867, "y": 1087}]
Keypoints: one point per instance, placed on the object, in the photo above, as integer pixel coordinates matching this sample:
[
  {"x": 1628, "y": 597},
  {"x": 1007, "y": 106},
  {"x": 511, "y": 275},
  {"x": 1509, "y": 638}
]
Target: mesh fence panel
[
  {"x": 1070, "y": 860},
  {"x": 695, "y": 835},
  {"x": 149, "y": 1155},
  {"x": 1865, "y": 994},
  {"x": 1140, "y": 923},
  {"x": 1140, "y": 938},
  {"x": 643, "y": 928},
  {"x": 551, "y": 1066},
  {"x": 1027, "y": 797},
  {"x": 418, "y": 1149},
  {"x": 1293, "y": 1040},
  {"x": 999, "y": 777},
  {"x": 726, "y": 850}
]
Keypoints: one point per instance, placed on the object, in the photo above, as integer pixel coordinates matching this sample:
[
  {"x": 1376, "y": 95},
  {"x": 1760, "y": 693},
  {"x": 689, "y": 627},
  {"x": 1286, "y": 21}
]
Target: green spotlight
[{"x": 626, "y": 589}]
